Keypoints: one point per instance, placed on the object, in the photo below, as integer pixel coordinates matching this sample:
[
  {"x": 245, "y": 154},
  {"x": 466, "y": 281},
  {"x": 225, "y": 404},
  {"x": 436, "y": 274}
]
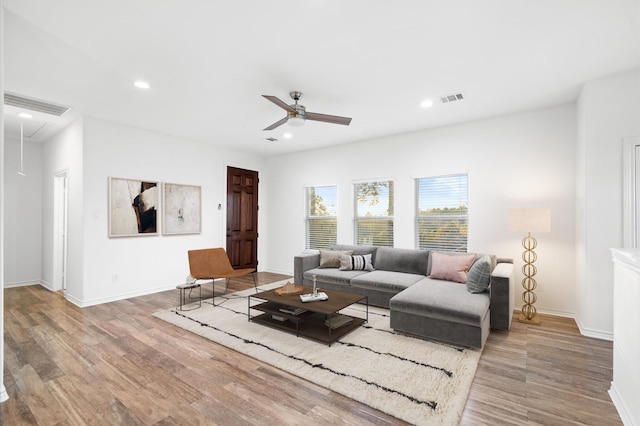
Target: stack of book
[
  {"x": 292, "y": 310},
  {"x": 338, "y": 321},
  {"x": 278, "y": 318}
]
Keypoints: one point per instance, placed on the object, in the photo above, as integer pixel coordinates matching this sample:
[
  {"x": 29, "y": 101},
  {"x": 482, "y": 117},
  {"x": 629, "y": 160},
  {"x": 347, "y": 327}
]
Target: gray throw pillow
[
  {"x": 479, "y": 275},
  {"x": 356, "y": 262},
  {"x": 331, "y": 258}
]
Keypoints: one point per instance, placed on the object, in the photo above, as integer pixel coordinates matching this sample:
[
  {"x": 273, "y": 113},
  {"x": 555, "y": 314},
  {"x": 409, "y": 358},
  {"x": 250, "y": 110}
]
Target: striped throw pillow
[{"x": 356, "y": 262}]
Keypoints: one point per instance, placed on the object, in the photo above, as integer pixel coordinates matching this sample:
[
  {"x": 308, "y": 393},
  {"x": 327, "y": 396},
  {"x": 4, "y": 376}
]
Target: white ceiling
[{"x": 209, "y": 62}]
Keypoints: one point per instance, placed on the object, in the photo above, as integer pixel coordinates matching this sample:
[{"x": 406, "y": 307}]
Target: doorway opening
[{"x": 60, "y": 228}]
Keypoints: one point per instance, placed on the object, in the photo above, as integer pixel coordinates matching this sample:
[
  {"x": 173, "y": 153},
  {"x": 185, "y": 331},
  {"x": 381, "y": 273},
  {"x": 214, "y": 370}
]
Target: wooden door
[{"x": 242, "y": 217}]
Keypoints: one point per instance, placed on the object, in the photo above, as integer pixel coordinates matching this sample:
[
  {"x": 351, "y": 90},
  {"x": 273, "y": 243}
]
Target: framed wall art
[
  {"x": 181, "y": 209},
  {"x": 132, "y": 207}
]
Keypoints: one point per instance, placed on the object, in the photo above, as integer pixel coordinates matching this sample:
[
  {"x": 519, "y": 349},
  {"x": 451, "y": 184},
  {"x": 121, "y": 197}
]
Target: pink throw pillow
[{"x": 451, "y": 267}]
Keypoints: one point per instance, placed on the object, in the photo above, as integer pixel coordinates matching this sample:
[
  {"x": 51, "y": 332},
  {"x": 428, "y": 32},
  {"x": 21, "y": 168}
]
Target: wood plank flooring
[{"x": 115, "y": 364}]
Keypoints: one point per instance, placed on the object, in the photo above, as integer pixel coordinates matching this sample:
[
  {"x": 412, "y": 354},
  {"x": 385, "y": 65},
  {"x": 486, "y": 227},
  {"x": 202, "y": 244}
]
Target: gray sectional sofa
[{"x": 419, "y": 304}]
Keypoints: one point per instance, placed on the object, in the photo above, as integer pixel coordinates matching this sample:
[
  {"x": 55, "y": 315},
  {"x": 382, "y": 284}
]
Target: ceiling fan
[{"x": 297, "y": 114}]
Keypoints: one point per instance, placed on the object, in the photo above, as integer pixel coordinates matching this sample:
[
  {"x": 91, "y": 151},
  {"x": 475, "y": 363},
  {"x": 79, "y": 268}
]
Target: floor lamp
[{"x": 529, "y": 220}]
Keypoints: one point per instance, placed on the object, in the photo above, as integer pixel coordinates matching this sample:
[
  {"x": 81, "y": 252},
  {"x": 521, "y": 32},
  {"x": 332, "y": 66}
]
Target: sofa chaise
[{"x": 450, "y": 297}]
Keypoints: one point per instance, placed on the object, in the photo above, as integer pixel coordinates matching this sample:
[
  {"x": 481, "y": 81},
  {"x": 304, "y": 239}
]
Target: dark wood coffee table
[{"x": 312, "y": 322}]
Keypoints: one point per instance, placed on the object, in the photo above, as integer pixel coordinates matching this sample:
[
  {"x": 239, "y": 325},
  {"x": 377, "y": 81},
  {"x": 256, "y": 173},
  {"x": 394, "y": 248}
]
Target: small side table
[{"x": 183, "y": 295}]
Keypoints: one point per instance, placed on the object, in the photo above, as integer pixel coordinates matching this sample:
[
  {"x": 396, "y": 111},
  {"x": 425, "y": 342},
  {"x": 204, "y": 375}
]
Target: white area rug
[{"x": 415, "y": 380}]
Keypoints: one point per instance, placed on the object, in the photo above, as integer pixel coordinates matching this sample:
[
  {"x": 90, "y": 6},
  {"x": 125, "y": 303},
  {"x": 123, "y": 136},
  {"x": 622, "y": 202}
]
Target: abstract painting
[
  {"x": 132, "y": 207},
  {"x": 181, "y": 209}
]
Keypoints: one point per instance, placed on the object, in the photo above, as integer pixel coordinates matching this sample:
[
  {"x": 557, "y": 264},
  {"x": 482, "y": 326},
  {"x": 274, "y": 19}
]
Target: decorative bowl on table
[{"x": 289, "y": 289}]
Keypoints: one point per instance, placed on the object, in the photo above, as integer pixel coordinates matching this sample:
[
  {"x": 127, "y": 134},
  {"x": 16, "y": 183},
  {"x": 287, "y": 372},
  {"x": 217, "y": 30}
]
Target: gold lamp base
[
  {"x": 529, "y": 284},
  {"x": 533, "y": 321},
  {"x": 529, "y": 220}
]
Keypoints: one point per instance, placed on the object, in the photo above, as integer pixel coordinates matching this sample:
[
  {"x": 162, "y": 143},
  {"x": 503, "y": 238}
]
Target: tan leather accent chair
[{"x": 212, "y": 264}]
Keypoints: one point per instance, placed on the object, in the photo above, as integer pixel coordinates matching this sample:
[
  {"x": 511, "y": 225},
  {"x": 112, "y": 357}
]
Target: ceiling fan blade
[
  {"x": 277, "y": 124},
  {"x": 280, "y": 103},
  {"x": 328, "y": 118}
]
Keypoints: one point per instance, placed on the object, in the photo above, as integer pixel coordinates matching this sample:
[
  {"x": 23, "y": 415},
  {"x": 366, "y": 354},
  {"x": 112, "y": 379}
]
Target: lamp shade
[{"x": 530, "y": 220}]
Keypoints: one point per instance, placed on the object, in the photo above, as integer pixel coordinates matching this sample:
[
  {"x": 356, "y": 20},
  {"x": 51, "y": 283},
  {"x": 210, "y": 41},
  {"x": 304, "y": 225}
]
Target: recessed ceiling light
[
  {"x": 140, "y": 84},
  {"x": 287, "y": 135},
  {"x": 427, "y": 103},
  {"x": 24, "y": 115}
]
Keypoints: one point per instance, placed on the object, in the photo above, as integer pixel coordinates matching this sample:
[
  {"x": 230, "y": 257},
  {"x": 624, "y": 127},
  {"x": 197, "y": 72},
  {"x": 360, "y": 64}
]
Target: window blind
[
  {"x": 374, "y": 213},
  {"x": 321, "y": 217},
  {"x": 443, "y": 213}
]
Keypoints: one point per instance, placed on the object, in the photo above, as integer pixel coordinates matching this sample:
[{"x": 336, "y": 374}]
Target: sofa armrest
[
  {"x": 502, "y": 289},
  {"x": 302, "y": 263}
]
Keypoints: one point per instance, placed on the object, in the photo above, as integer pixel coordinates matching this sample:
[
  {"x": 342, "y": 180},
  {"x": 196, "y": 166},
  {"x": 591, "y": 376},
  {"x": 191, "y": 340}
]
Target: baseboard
[
  {"x": 587, "y": 332},
  {"x": 275, "y": 271},
  {"x": 555, "y": 313},
  {"x": 22, "y": 284},
  {"x": 123, "y": 296},
  {"x": 47, "y": 285},
  {"x": 620, "y": 406},
  {"x": 596, "y": 334}
]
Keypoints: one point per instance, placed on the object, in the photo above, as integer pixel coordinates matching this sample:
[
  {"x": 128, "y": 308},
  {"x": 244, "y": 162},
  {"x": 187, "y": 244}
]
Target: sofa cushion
[
  {"x": 479, "y": 275},
  {"x": 356, "y": 262},
  {"x": 451, "y": 267},
  {"x": 402, "y": 260},
  {"x": 390, "y": 281},
  {"x": 443, "y": 300},
  {"x": 333, "y": 276},
  {"x": 331, "y": 258}
]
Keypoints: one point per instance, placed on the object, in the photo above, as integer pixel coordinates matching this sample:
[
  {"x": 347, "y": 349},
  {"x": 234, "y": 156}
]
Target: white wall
[
  {"x": 64, "y": 152},
  {"x": 150, "y": 263},
  {"x": 91, "y": 150},
  {"x": 520, "y": 160},
  {"x": 23, "y": 210},
  {"x": 608, "y": 112},
  {"x": 515, "y": 161}
]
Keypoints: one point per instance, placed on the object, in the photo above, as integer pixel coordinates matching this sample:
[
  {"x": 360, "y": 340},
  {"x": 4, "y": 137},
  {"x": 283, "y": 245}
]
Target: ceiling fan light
[{"x": 295, "y": 121}]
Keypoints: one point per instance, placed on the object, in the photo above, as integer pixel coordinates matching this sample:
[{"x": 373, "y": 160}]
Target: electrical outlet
[
  {"x": 540, "y": 288},
  {"x": 115, "y": 278}
]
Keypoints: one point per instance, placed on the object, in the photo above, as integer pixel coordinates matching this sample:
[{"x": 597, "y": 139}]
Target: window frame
[
  {"x": 311, "y": 218},
  {"x": 388, "y": 218},
  {"x": 451, "y": 244}
]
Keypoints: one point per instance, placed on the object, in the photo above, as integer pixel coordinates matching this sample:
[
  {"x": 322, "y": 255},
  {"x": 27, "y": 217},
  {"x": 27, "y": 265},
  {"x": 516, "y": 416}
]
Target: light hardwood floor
[{"x": 116, "y": 364}]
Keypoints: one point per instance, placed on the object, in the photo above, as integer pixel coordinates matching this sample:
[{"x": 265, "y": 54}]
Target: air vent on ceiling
[
  {"x": 452, "y": 97},
  {"x": 20, "y": 101}
]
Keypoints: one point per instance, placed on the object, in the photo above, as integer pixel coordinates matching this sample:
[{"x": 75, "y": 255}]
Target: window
[
  {"x": 374, "y": 213},
  {"x": 322, "y": 212},
  {"x": 443, "y": 213}
]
